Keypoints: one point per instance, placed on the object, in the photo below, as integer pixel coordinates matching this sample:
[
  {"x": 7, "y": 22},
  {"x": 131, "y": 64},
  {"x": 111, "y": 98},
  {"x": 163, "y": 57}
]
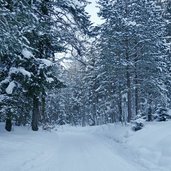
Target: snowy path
[
  {"x": 75, "y": 150},
  {"x": 79, "y": 149}
]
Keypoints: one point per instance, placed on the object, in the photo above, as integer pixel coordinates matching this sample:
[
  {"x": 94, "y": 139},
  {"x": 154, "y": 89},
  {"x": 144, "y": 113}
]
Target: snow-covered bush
[
  {"x": 138, "y": 125},
  {"x": 138, "y": 122},
  {"x": 162, "y": 114}
]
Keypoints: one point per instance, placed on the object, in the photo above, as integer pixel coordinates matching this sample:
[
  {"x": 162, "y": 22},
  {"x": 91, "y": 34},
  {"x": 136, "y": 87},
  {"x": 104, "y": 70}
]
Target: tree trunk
[
  {"x": 149, "y": 115},
  {"x": 136, "y": 91},
  {"x": 128, "y": 77},
  {"x": 35, "y": 114},
  {"x": 8, "y": 124},
  {"x": 120, "y": 106},
  {"x": 129, "y": 97},
  {"x": 136, "y": 101},
  {"x": 149, "y": 118},
  {"x": 43, "y": 107},
  {"x": 94, "y": 112}
]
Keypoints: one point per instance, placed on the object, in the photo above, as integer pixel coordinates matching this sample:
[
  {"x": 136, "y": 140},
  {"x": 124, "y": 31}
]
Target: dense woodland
[{"x": 56, "y": 67}]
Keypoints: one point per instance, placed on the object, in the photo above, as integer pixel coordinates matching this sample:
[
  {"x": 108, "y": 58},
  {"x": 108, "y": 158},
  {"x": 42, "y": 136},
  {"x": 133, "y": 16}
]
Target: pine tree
[{"x": 167, "y": 17}]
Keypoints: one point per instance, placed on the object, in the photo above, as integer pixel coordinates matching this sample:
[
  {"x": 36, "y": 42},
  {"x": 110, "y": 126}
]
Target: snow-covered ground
[{"x": 101, "y": 148}]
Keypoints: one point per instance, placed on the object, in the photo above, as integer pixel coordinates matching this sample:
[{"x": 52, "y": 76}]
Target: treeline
[
  {"x": 122, "y": 72},
  {"x": 128, "y": 74}
]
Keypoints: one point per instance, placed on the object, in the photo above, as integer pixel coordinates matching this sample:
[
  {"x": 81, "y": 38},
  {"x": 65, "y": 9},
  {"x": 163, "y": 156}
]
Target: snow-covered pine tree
[
  {"x": 14, "y": 22},
  {"x": 90, "y": 86},
  {"x": 167, "y": 17}
]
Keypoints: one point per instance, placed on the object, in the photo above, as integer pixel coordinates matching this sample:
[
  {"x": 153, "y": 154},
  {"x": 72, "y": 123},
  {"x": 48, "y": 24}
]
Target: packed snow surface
[{"x": 101, "y": 148}]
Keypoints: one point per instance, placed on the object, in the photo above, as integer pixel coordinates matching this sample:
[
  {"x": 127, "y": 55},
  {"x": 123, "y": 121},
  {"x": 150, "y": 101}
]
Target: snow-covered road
[
  {"x": 65, "y": 150},
  {"x": 80, "y": 151},
  {"x": 73, "y": 149}
]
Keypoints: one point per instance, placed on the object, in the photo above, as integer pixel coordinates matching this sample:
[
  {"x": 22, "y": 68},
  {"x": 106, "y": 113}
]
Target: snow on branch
[
  {"x": 19, "y": 70},
  {"x": 26, "y": 53},
  {"x": 10, "y": 88},
  {"x": 46, "y": 62}
]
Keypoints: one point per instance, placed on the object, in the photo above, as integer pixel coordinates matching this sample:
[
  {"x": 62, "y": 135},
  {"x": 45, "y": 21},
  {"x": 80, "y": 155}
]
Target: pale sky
[{"x": 92, "y": 10}]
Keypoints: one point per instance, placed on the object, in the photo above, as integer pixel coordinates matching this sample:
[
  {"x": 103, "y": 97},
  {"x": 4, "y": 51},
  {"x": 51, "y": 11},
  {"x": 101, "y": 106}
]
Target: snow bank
[
  {"x": 149, "y": 148},
  {"x": 152, "y": 146},
  {"x": 116, "y": 132}
]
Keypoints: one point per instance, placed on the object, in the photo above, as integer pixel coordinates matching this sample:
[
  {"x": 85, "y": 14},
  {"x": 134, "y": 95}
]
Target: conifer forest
[{"x": 58, "y": 68}]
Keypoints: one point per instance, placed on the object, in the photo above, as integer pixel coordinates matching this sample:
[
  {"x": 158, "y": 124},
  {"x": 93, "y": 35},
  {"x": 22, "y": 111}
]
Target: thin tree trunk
[
  {"x": 128, "y": 77},
  {"x": 120, "y": 106},
  {"x": 8, "y": 124},
  {"x": 136, "y": 91},
  {"x": 129, "y": 97},
  {"x": 94, "y": 112},
  {"x": 128, "y": 83},
  {"x": 83, "y": 118},
  {"x": 35, "y": 114},
  {"x": 149, "y": 116},
  {"x": 43, "y": 107}
]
